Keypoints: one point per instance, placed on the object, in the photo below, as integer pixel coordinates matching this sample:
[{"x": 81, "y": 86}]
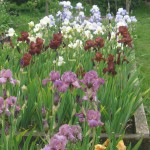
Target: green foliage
[
  {"x": 32, "y": 5},
  {"x": 4, "y": 17}
]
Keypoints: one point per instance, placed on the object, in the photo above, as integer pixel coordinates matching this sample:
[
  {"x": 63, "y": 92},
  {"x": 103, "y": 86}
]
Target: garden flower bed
[{"x": 69, "y": 78}]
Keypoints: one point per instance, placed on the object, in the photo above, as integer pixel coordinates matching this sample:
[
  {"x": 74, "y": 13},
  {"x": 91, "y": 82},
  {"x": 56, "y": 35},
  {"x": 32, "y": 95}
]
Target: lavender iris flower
[
  {"x": 1, "y": 104},
  {"x": 52, "y": 20},
  {"x": 58, "y": 142},
  {"x": 79, "y": 6},
  {"x": 45, "y": 81},
  {"x": 109, "y": 16},
  {"x": 133, "y": 19},
  {"x": 72, "y": 133},
  {"x": 6, "y": 75},
  {"x": 81, "y": 117},
  {"x": 61, "y": 86},
  {"x": 92, "y": 83},
  {"x": 93, "y": 118},
  {"x": 54, "y": 75},
  {"x": 94, "y": 9},
  {"x": 10, "y": 101},
  {"x": 66, "y": 133}
]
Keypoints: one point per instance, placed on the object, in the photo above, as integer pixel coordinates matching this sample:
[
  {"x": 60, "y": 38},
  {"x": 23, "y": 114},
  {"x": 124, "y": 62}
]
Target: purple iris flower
[
  {"x": 76, "y": 131},
  {"x": 61, "y": 86},
  {"x": 3, "y": 80},
  {"x": 72, "y": 133},
  {"x": 54, "y": 75},
  {"x": 70, "y": 78},
  {"x": 45, "y": 81},
  {"x": 92, "y": 83},
  {"x": 93, "y": 118},
  {"x": 109, "y": 16},
  {"x": 11, "y": 100},
  {"x": 81, "y": 117},
  {"x": 67, "y": 132},
  {"x": 6, "y": 73},
  {"x": 58, "y": 142}
]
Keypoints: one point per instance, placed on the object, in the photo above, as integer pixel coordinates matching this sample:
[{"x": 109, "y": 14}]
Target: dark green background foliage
[{"x": 40, "y": 4}]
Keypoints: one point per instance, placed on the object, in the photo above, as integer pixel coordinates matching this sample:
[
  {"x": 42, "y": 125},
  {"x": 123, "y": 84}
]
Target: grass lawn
[{"x": 142, "y": 50}]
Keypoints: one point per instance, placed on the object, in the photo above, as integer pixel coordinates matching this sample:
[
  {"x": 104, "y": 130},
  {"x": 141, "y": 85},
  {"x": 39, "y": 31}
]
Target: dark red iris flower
[
  {"x": 56, "y": 41},
  {"x": 111, "y": 65},
  {"x": 89, "y": 44},
  {"x": 24, "y": 37},
  {"x": 35, "y": 48},
  {"x": 58, "y": 37},
  {"x": 99, "y": 42},
  {"x": 98, "y": 57},
  {"x": 54, "y": 44},
  {"x": 127, "y": 40},
  {"x": 25, "y": 61}
]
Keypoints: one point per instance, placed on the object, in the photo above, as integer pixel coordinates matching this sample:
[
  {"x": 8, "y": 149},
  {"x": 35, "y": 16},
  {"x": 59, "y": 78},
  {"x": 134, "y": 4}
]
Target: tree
[
  {"x": 128, "y": 4},
  {"x": 46, "y": 7}
]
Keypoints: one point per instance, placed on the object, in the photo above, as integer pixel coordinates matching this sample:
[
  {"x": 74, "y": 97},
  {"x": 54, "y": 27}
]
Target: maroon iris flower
[{"x": 25, "y": 61}]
